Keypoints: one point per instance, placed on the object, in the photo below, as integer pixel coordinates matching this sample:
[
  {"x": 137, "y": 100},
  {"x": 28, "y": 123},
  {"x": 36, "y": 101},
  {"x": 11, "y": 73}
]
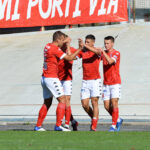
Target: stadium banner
[{"x": 29, "y": 13}]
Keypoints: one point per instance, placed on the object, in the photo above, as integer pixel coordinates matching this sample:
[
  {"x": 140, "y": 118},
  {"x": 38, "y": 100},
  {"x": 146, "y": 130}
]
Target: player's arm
[
  {"x": 80, "y": 44},
  {"x": 72, "y": 56},
  {"x": 93, "y": 49},
  {"x": 109, "y": 59},
  {"x": 68, "y": 51},
  {"x": 68, "y": 41}
]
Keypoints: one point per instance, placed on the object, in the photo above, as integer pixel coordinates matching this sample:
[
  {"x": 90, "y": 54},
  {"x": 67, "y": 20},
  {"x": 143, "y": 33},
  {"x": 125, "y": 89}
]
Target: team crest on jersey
[{"x": 115, "y": 56}]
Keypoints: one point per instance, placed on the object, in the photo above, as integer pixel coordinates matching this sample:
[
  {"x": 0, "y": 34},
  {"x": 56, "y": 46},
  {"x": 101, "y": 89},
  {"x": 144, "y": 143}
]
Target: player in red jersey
[
  {"x": 112, "y": 82},
  {"x": 50, "y": 82},
  {"x": 65, "y": 76},
  {"x": 91, "y": 84}
]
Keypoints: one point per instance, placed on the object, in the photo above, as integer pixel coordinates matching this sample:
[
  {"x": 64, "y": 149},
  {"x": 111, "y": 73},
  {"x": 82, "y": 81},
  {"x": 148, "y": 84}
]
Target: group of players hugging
[{"x": 57, "y": 80}]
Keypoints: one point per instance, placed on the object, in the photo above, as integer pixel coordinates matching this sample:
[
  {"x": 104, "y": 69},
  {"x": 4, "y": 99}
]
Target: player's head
[
  {"x": 109, "y": 42},
  {"x": 90, "y": 40},
  {"x": 59, "y": 38},
  {"x": 64, "y": 46}
]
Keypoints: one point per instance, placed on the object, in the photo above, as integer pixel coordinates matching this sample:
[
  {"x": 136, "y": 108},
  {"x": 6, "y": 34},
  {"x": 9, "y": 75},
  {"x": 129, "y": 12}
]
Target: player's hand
[
  {"x": 67, "y": 40},
  {"x": 100, "y": 50},
  {"x": 81, "y": 44}
]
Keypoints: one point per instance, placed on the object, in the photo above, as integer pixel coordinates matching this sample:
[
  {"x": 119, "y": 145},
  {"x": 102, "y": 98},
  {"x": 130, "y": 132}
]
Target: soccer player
[
  {"x": 50, "y": 82},
  {"x": 91, "y": 84},
  {"x": 65, "y": 76},
  {"x": 112, "y": 82}
]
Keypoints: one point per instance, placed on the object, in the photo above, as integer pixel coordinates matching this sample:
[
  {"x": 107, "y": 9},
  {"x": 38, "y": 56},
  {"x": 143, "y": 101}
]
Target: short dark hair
[
  {"x": 110, "y": 38},
  {"x": 90, "y": 36},
  {"x": 57, "y": 35}
]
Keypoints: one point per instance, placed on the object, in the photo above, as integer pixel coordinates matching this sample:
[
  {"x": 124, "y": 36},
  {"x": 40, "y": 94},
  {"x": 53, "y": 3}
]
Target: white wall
[{"x": 21, "y": 59}]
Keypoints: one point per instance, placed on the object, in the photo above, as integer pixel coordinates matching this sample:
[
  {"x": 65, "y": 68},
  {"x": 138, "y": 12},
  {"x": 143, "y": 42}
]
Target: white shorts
[
  {"x": 91, "y": 88},
  {"x": 111, "y": 91},
  {"x": 51, "y": 87},
  {"x": 67, "y": 86}
]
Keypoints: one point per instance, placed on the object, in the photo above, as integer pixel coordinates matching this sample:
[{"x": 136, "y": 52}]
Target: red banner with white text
[{"x": 29, "y": 13}]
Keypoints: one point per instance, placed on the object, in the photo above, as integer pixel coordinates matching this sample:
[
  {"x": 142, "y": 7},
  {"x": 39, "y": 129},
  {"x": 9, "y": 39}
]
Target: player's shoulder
[
  {"x": 48, "y": 46},
  {"x": 116, "y": 52}
]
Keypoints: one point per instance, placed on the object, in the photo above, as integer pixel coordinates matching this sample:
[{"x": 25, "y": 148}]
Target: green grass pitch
[{"x": 81, "y": 140}]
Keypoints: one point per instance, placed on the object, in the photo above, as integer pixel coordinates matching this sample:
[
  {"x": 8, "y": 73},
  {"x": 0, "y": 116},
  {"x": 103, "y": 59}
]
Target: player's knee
[
  {"x": 94, "y": 102},
  {"x": 62, "y": 99},
  {"x": 115, "y": 103},
  {"x": 106, "y": 107},
  {"x": 85, "y": 105},
  {"x": 48, "y": 102},
  {"x": 67, "y": 100}
]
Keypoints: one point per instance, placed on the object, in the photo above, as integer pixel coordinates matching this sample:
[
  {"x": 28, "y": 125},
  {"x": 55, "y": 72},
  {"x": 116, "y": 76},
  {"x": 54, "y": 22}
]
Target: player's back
[{"x": 52, "y": 54}]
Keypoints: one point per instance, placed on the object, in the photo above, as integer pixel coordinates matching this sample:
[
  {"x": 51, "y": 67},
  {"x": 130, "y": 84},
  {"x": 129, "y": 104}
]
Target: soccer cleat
[
  {"x": 92, "y": 129},
  {"x": 66, "y": 126},
  {"x": 39, "y": 129},
  {"x": 112, "y": 129},
  {"x": 94, "y": 124},
  {"x": 74, "y": 125},
  {"x": 60, "y": 128},
  {"x": 118, "y": 125}
]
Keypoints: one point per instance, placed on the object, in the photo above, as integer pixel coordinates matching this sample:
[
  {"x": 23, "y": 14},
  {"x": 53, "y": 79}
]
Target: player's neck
[
  {"x": 110, "y": 50},
  {"x": 55, "y": 43}
]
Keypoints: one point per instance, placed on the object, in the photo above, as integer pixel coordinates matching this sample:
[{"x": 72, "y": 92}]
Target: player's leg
[
  {"x": 86, "y": 106},
  {"x": 96, "y": 92},
  {"x": 95, "y": 113},
  {"x": 43, "y": 112},
  {"x": 69, "y": 116},
  {"x": 68, "y": 111},
  {"x": 108, "y": 106},
  {"x": 107, "y": 102},
  {"x": 60, "y": 111},
  {"x": 45, "y": 107},
  {"x": 55, "y": 87},
  {"x": 85, "y": 98},
  {"x": 115, "y": 112},
  {"x": 115, "y": 95},
  {"x": 67, "y": 85}
]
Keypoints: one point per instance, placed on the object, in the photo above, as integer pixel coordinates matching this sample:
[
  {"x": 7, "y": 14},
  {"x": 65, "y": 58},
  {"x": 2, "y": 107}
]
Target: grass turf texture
[{"x": 51, "y": 140}]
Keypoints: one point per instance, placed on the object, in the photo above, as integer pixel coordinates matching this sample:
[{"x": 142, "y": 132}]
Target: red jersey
[
  {"x": 111, "y": 72},
  {"x": 90, "y": 64},
  {"x": 65, "y": 68},
  {"x": 52, "y": 55}
]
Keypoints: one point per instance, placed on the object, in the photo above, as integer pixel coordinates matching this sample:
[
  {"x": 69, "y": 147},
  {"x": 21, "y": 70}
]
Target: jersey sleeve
[
  {"x": 73, "y": 49},
  {"x": 116, "y": 56},
  {"x": 59, "y": 53},
  {"x": 79, "y": 55}
]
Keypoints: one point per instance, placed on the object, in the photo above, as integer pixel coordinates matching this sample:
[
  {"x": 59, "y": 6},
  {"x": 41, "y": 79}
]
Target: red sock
[
  {"x": 67, "y": 115},
  {"x": 94, "y": 124},
  {"x": 60, "y": 112},
  {"x": 42, "y": 115},
  {"x": 115, "y": 115}
]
